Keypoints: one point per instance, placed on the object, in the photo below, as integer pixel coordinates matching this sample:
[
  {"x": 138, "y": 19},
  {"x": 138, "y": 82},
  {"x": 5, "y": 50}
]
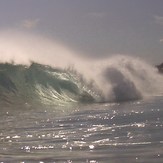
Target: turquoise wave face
[{"x": 40, "y": 84}]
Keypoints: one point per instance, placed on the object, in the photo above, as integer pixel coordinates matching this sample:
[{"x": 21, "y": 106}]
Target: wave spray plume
[{"x": 119, "y": 78}]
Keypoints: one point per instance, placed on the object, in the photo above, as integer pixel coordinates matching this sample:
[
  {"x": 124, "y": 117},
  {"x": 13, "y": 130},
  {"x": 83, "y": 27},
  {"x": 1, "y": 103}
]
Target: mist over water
[
  {"x": 115, "y": 79},
  {"x": 22, "y": 47}
]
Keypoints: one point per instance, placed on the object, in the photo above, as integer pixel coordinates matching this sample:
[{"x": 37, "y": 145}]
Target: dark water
[{"x": 130, "y": 132}]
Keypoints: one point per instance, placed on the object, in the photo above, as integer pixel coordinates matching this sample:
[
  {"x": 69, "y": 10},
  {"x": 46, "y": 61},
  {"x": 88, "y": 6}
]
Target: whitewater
[{"x": 59, "y": 107}]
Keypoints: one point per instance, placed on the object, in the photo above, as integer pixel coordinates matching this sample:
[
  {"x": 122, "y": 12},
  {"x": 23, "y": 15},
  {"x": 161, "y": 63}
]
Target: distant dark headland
[{"x": 160, "y": 68}]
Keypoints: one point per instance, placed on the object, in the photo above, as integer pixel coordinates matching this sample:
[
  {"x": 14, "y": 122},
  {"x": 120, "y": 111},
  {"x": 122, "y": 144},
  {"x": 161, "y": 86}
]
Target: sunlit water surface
[{"x": 122, "y": 132}]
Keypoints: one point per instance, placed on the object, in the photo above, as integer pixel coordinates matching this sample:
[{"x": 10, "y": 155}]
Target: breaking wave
[
  {"x": 119, "y": 78},
  {"x": 40, "y": 84}
]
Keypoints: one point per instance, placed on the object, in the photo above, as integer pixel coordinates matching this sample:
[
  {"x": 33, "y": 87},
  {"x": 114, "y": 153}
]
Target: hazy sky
[{"x": 94, "y": 28}]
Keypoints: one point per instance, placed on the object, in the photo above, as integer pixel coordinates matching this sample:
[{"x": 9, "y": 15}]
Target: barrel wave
[
  {"x": 40, "y": 84},
  {"x": 120, "y": 79}
]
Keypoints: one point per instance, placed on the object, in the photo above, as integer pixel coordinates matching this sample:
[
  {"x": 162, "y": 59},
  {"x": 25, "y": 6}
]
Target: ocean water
[
  {"x": 118, "y": 132},
  {"x": 56, "y": 115}
]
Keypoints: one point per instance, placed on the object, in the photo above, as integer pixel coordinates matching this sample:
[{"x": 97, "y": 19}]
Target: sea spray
[
  {"x": 69, "y": 77},
  {"x": 129, "y": 78},
  {"x": 22, "y": 48}
]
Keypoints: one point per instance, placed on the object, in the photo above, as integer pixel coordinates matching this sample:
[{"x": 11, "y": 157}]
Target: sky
[{"x": 92, "y": 28}]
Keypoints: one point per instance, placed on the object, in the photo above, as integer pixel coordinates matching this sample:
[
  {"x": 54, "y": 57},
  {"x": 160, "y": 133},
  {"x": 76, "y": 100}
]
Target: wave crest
[{"x": 118, "y": 79}]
